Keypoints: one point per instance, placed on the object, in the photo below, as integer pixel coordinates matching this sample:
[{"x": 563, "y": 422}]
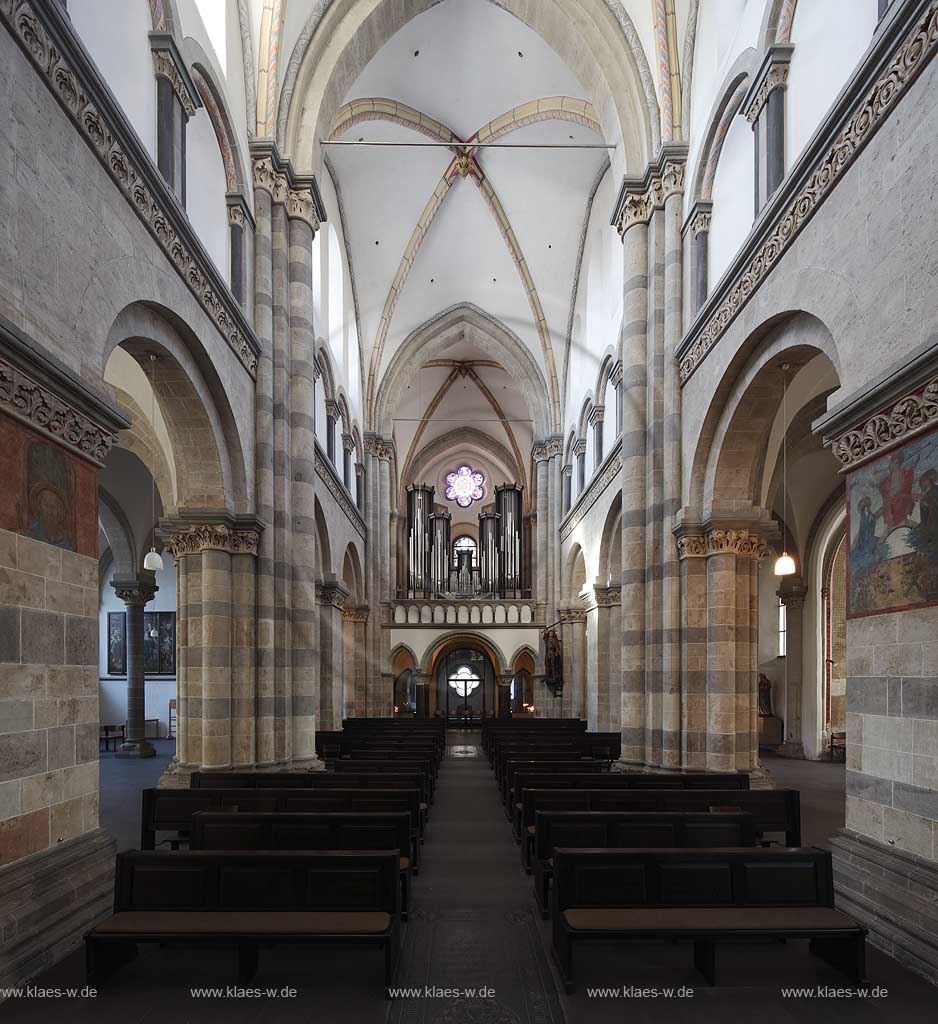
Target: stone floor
[{"x": 474, "y": 926}]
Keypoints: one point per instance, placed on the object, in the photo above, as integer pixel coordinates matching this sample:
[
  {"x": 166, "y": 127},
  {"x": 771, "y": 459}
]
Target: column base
[
  {"x": 50, "y": 900},
  {"x": 790, "y": 748},
  {"x": 894, "y": 893},
  {"x": 136, "y": 748}
]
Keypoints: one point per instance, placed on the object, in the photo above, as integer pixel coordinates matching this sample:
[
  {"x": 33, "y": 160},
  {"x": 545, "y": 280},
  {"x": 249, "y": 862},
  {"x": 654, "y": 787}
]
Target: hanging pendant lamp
[
  {"x": 153, "y": 559},
  {"x": 784, "y": 564}
]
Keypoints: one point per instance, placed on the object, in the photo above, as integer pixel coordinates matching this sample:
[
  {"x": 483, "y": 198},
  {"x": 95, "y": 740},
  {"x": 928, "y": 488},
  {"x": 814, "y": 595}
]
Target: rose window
[{"x": 464, "y": 486}]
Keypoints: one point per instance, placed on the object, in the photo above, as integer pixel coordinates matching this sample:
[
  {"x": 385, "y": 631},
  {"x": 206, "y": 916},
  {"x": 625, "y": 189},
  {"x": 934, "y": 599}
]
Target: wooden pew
[
  {"x": 248, "y": 899},
  {"x": 702, "y": 895},
  {"x": 534, "y": 727},
  {"x": 553, "y": 766},
  {"x": 217, "y": 830},
  {"x": 632, "y": 829},
  {"x": 385, "y": 762},
  {"x": 569, "y": 778},
  {"x": 772, "y": 810},
  {"x": 346, "y": 778},
  {"x": 171, "y": 810}
]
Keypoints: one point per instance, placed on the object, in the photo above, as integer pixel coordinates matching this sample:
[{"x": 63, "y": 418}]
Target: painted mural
[
  {"x": 50, "y": 496},
  {"x": 893, "y": 509}
]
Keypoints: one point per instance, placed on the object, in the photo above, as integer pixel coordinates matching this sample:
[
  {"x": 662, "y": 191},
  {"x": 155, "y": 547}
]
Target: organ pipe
[
  {"x": 508, "y": 505},
  {"x": 419, "y": 511},
  {"x": 440, "y": 527},
  {"x": 488, "y": 551}
]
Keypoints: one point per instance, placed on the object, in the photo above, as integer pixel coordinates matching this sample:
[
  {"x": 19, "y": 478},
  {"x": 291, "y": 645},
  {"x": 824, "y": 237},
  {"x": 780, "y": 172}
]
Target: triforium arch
[{"x": 616, "y": 74}]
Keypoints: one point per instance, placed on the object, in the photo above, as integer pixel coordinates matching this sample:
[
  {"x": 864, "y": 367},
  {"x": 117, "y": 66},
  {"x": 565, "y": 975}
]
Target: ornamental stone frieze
[
  {"x": 45, "y": 396},
  {"x": 355, "y": 614},
  {"x": 772, "y": 75},
  {"x": 325, "y": 471},
  {"x": 891, "y": 69},
  {"x": 193, "y": 540},
  {"x": 168, "y": 63},
  {"x": 571, "y": 615},
  {"x": 911, "y": 415},
  {"x": 49, "y": 41},
  {"x": 639, "y": 197}
]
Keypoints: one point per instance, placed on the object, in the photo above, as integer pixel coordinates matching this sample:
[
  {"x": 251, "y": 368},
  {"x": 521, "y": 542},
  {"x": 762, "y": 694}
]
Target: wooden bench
[
  {"x": 346, "y": 778},
  {"x": 218, "y": 830},
  {"x": 171, "y": 810},
  {"x": 568, "y": 777},
  {"x": 551, "y": 766},
  {"x": 704, "y": 896},
  {"x": 633, "y": 829},
  {"x": 395, "y": 765},
  {"x": 772, "y": 810},
  {"x": 246, "y": 899}
]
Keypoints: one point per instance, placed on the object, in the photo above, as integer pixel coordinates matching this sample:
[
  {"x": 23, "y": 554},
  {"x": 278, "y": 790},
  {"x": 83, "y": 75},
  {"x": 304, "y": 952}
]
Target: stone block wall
[
  {"x": 48, "y": 696},
  {"x": 892, "y": 729}
]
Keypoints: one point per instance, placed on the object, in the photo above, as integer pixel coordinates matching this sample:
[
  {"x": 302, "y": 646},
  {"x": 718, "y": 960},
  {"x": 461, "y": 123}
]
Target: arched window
[{"x": 464, "y": 544}]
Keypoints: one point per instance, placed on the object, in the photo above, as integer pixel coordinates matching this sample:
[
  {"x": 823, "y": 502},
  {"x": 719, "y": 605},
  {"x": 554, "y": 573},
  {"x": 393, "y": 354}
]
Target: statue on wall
[
  {"x": 765, "y": 696},
  {"x": 553, "y": 662}
]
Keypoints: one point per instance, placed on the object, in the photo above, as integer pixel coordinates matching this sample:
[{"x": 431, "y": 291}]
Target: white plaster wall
[
  {"x": 829, "y": 39},
  {"x": 113, "y": 689},
  {"x": 115, "y": 34},
  {"x": 598, "y": 311},
  {"x": 733, "y": 199},
  {"x": 205, "y": 191}
]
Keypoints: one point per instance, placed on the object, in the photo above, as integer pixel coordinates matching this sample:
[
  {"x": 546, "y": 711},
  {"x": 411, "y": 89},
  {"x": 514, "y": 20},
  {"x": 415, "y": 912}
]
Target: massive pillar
[
  {"x": 648, "y": 219},
  {"x": 135, "y": 594},
  {"x": 354, "y": 624},
  {"x": 603, "y": 709},
  {"x": 792, "y": 593}
]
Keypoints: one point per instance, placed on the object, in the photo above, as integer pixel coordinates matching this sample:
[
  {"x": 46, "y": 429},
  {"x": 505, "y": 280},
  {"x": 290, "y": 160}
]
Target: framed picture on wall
[
  {"x": 159, "y": 643},
  {"x": 117, "y": 643}
]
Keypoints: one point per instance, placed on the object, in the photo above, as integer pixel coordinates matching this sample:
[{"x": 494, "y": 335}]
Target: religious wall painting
[
  {"x": 116, "y": 643},
  {"x": 50, "y": 496},
  {"x": 893, "y": 525}
]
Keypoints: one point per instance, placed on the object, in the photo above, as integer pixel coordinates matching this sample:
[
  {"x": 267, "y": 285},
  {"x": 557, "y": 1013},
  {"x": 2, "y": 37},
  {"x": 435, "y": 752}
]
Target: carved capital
[
  {"x": 596, "y": 415},
  {"x": 379, "y": 447},
  {"x": 193, "y": 540},
  {"x": 615, "y": 374},
  {"x": 355, "y": 614},
  {"x": 565, "y": 615},
  {"x": 701, "y": 222},
  {"x": 743, "y": 542},
  {"x": 302, "y": 206},
  {"x": 772, "y": 75},
  {"x": 691, "y": 545},
  {"x": 636, "y": 209},
  {"x": 135, "y": 593},
  {"x": 607, "y": 597},
  {"x": 332, "y": 593}
]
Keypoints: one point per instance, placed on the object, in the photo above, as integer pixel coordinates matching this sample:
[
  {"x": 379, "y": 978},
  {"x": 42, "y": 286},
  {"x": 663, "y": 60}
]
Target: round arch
[
  {"x": 323, "y": 548},
  {"x": 207, "y": 454},
  {"x": 352, "y": 574},
  {"x": 459, "y": 640}
]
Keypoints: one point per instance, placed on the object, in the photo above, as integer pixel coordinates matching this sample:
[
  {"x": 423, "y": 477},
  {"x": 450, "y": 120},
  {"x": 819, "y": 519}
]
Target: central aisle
[{"x": 473, "y": 925}]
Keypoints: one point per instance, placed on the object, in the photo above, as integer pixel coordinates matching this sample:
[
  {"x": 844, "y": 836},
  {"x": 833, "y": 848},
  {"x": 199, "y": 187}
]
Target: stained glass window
[
  {"x": 465, "y": 485},
  {"x": 464, "y": 681}
]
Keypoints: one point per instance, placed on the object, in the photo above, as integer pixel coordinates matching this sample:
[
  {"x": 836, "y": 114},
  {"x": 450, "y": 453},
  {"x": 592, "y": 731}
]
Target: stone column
[
  {"x": 555, "y": 514},
  {"x": 303, "y": 223},
  {"x": 793, "y": 593},
  {"x": 764, "y": 107},
  {"x": 541, "y": 466},
  {"x": 567, "y": 488},
  {"x": 348, "y": 447},
  {"x": 241, "y": 244},
  {"x": 177, "y": 99},
  {"x": 692, "y": 551},
  {"x": 603, "y": 643},
  {"x": 596, "y": 423},
  {"x": 332, "y": 414},
  {"x": 355, "y": 621},
  {"x": 332, "y": 595},
  {"x": 217, "y": 705},
  {"x": 573, "y": 637},
  {"x": 579, "y": 457},
  {"x": 697, "y": 230},
  {"x": 633, "y": 227},
  {"x": 135, "y": 594}
]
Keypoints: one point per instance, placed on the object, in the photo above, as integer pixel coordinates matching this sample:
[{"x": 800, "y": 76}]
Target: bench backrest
[
  {"x": 257, "y": 880},
  {"x": 638, "y": 829},
  {"x": 218, "y": 830},
  {"x": 571, "y": 777},
  {"x": 171, "y": 810},
  {"x": 343, "y": 779},
  {"x": 692, "y": 878},
  {"x": 772, "y": 810}
]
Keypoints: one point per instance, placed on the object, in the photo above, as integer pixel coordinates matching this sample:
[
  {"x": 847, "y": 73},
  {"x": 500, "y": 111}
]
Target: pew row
[
  {"x": 631, "y": 829},
  {"x": 248, "y": 899},
  {"x": 703, "y": 896},
  {"x": 218, "y": 830}
]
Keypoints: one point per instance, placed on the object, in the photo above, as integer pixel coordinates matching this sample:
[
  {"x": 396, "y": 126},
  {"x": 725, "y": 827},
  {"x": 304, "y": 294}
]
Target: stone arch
[
  {"x": 574, "y": 577},
  {"x": 595, "y": 38},
  {"x": 403, "y": 658},
  {"x": 610, "y": 546},
  {"x": 323, "y": 548},
  {"x": 216, "y": 106},
  {"x": 324, "y": 362},
  {"x": 352, "y": 574},
  {"x": 453, "y": 641},
  {"x": 524, "y": 659},
  {"x": 141, "y": 439},
  {"x": 431, "y": 338},
  {"x": 119, "y": 533},
  {"x": 726, "y": 106},
  {"x": 209, "y": 462},
  {"x": 777, "y": 19},
  {"x": 730, "y": 455}
]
